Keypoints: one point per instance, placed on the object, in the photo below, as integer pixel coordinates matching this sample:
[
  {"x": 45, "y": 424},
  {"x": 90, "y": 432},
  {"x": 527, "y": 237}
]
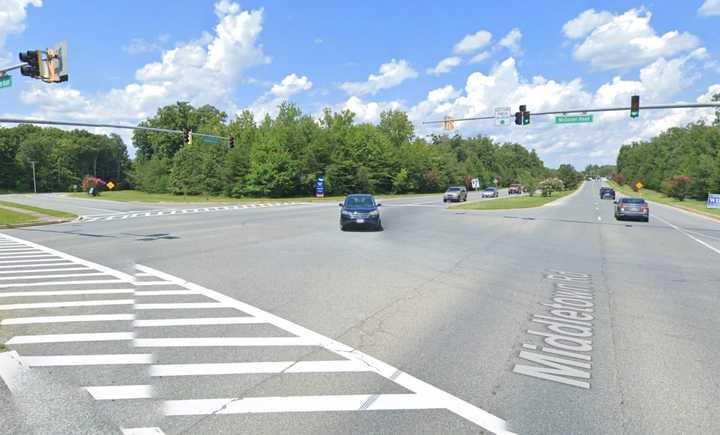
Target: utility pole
[{"x": 32, "y": 162}]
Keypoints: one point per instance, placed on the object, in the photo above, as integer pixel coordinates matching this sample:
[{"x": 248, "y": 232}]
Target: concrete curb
[{"x": 36, "y": 224}]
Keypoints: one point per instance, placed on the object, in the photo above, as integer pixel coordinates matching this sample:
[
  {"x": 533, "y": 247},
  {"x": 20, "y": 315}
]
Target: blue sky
[{"x": 430, "y": 59}]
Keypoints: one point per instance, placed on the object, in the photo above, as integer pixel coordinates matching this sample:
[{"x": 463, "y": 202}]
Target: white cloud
[
  {"x": 140, "y": 45},
  {"x": 579, "y": 144},
  {"x": 368, "y": 111},
  {"x": 625, "y": 40},
  {"x": 473, "y": 42},
  {"x": 291, "y": 85},
  {"x": 585, "y": 23},
  {"x": 13, "y": 14},
  {"x": 204, "y": 71},
  {"x": 318, "y": 41},
  {"x": 709, "y": 8},
  {"x": 480, "y": 57},
  {"x": 391, "y": 74},
  {"x": 511, "y": 41},
  {"x": 444, "y": 66}
]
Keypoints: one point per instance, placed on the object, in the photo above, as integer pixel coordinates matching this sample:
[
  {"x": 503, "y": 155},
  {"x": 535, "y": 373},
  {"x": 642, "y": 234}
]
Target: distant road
[{"x": 557, "y": 319}]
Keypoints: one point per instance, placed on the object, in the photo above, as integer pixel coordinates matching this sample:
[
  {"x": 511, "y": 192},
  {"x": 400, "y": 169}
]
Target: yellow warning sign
[
  {"x": 110, "y": 185},
  {"x": 639, "y": 185}
]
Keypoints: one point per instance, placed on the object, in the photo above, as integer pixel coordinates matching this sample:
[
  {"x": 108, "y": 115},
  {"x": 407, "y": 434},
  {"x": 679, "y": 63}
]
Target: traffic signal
[
  {"x": 526, "y": 118},
  {"x": 518, "y": 118},
  {"x": 57, "y": 68},
  {"x": 232, "y": 142},
  {"x": 187, "y": 136},
  {"x": 448, "y": 123},
  {"x": 33, "y": 58},
  {"x": 523, "y": 116},
  {"x": 635, "y": 106}
]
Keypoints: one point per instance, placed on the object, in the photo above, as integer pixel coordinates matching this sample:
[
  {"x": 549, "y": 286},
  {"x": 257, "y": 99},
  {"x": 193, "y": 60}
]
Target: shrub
[{"x": 677, "y": 187}]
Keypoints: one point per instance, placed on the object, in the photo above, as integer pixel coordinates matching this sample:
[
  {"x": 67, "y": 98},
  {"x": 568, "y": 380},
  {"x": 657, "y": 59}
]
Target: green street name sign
[
  {"x": 5, "y": 81},
  {"x": 573, "y": 119},
  {"x": 209, "y": 140}
]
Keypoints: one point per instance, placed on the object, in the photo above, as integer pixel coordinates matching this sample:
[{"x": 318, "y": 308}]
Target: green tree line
[
  {"x": 62, "y": 158},
  {"x": 283, "y": 155}
]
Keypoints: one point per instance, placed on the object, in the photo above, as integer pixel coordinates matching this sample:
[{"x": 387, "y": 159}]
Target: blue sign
[
  {"x": 320, "y": 187},
  {"x": 713, "y": 200}
]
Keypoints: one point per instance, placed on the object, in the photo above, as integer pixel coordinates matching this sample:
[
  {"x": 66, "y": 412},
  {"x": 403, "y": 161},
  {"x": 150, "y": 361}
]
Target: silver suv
[{"x": 455, "y": 194}]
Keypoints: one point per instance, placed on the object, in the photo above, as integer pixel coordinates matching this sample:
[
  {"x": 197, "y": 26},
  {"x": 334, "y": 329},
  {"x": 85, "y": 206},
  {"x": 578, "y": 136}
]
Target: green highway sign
[
  {"x": 5, "y": 81},
  {"x": 209, "y": 140},
  {"x": 573, "y": 119}
]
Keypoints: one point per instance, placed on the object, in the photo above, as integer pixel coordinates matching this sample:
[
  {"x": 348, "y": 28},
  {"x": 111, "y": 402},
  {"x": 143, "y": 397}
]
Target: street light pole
[{"x": 32, "y": 162}]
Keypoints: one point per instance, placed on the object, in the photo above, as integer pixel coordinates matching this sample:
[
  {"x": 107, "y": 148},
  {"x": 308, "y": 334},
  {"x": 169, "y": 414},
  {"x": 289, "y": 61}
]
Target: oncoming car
[
  {"x": 455, "y": 194},
  {"x": 490, "y": 192},
  {"x": 360, "y": 211}
]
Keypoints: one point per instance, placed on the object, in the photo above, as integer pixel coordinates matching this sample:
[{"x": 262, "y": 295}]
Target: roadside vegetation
[
  {"x": 12, "y": 213},
  {"x": 277, "y": 156},
  {"x": 524, "y": 201}
]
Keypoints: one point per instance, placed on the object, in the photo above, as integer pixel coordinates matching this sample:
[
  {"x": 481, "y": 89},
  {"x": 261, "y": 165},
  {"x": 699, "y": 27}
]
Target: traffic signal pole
[{"x": 7, "y": 69}]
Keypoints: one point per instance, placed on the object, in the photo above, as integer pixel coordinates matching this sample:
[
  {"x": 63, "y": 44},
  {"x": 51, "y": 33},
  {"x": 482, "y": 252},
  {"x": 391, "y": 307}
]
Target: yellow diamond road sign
[
  {"x": 110, "y": 185},
  {"x": 639, "y": 185}
]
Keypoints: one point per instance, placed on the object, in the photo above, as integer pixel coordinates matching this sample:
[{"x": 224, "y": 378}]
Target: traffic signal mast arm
[{"x": 607, "y": 109}]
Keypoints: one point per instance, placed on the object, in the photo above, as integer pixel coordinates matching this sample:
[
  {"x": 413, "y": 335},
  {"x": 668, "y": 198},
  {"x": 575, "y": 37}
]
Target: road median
[
  {"x": 514, "y": 202},
  {"x": 13, "y": 215}
]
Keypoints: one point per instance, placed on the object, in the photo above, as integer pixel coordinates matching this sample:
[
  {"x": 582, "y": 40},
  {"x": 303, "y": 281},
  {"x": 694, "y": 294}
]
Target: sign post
[
  {"x": 502, "y": 116},
  {"x": 713, "y": 200},
  {"x": 320, "y": 187}
]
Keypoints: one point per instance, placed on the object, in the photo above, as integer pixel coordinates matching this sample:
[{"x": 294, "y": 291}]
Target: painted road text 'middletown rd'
[{"x": 565, "y": 354}]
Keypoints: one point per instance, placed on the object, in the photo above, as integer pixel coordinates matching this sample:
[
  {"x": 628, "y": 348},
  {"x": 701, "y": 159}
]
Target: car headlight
[
  {"x": 346, "y": 213},
  {"x": 373, "y": 213}
]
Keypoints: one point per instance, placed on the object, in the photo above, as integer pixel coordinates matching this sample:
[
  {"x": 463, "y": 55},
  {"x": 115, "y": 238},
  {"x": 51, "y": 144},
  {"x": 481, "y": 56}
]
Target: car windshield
[
  {"x": 490, "y": 189},
  {"x": 454, "y": 189},
  {"x": 633, "y": 201},
  {"x": 359, "y": 202}
]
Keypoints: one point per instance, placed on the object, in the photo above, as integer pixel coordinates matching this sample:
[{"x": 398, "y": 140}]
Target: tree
[
  {"x": 396, "y": 126},
  {"x": 678, "y": 187},
  {"x": 550, "y": 185},
  {"x": 569, "y": 176}
]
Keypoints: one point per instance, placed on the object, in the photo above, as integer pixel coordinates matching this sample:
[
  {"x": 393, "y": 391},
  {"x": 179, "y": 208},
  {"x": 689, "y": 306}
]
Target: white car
[{"x": 490, "y": 192}]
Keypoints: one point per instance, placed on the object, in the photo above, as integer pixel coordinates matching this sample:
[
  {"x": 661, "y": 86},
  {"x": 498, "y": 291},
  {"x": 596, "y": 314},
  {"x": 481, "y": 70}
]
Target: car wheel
[{"x": 444, "y": 200}]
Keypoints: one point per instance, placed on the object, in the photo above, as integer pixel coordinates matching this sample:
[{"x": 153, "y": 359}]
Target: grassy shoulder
[
  {"x": 693, "y": 205},
  {"x": 138, "y": 196},
  {"x": 524, "y": 201},
  {"x": 44, "y": 211},
  {"x": 9, "y": 217}
]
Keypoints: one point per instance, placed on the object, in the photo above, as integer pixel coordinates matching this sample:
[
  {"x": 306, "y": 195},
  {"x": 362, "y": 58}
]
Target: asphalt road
[{"x": 445, "y": 322}]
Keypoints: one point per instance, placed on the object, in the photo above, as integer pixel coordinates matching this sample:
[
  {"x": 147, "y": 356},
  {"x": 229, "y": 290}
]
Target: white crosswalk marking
[
  {"x": 171, "y": 212},
  {"x": 160, "y": 335}
]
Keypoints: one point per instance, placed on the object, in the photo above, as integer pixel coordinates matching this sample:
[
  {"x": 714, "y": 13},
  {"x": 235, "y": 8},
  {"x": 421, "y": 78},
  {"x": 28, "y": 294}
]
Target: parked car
[
  {"x": 490, "y": 192},
  {"x": 607, "y": 193},
  {"x": 455, "y": 194},
  {"x": 514, "y": 189},
  {"x": 632, "y": 208},
  {"x": 360, "y": 211}
]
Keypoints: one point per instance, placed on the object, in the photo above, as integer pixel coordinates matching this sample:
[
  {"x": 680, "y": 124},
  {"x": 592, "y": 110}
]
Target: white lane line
[
  {"x": 59, "y": 262},
  {"x": 252, "y": 405},
  {"x": 67, "y": 304},
  {"x": 180, "y": 306},
  {"x": 141, "y": 283},
  {"x": 143, "y": 323},
  {"x": 258, "y": 367},
  {"x": 671, "y": 225},
  {"x": 17, "y": 250},
  {"x": 453, "y": 404},
  {"x": 14, "y": 257},
  {"x": 50, "y": 283},
  {"x": 71, "y": 338},
  {"x": 67, "y": 292},
  {"x": 88, "y": 360},
  {"x": 142, "y": 274},
  {"x": 109, "y": 271},
  {"x": 57, "y": 275},
  {"x": 142, "y": 431},
  {"x": 45, "y": 270},
  {"x": 164, "y": 292},
  {"x": 223, "y": 341},
  {"x": 30, "y": 261},
  {"x": 121, "y": 392},
  {"x": 67, "y": 319}
]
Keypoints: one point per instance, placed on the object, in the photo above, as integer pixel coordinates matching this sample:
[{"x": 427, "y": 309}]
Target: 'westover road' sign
[{"x": 573, "y": 119}]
